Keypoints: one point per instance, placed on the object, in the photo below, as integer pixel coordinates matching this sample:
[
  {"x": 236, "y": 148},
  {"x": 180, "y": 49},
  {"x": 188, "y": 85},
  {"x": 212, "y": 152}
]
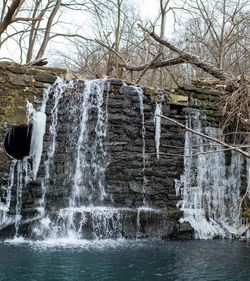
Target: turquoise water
[{"x": 125, "y": 260}]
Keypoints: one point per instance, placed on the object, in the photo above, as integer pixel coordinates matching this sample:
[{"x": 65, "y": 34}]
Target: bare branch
[
  {"x": 148, "y": 66},
  {"x": 205, "y": 136},
  {"x": 112, "y": 50},
  {"x": 25, "y": 19},
  {"x": 48, "y": 28},
  {"x": 39, "y": 62},
  {"x": 8, "y": 18},
  {"x": 217, "y": 73},
  {"x": 155, "y": 64}
]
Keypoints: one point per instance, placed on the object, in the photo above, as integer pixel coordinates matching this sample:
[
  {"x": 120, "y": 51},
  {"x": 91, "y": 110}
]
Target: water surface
[{"x": 124, "y": 260}]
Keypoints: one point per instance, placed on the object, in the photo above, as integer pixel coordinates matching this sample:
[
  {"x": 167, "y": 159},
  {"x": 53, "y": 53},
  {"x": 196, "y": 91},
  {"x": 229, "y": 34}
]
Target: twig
[
  {"x": 207, "y": 67},
  {"x": 38, "y": 62},
  {"x": 111, "y": 49},
  {"x": 155, "y": 64},
  {"x": 147, "y": 67},
  {"x": 205, "y": 136}
]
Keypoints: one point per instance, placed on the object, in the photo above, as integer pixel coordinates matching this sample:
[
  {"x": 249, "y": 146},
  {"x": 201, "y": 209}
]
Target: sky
[{"x": 149, "y": 9}]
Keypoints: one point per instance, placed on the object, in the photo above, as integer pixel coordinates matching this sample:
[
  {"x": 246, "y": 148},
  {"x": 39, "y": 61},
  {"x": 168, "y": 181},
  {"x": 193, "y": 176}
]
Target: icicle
[
  {"x": 157, "y": 122},
  {"x": 5, "y": 207},
  {"x": 19, "y": 189},
  {"x": 209, "y": 189},
  {"x": 38, "y": 121}
]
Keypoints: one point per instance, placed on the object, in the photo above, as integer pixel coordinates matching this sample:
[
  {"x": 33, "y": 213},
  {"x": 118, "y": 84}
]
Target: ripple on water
[{"x": 124, "y": 260}]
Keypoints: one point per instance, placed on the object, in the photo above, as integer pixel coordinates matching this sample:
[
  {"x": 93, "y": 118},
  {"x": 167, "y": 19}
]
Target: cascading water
[
  {"x": 209, "y": 188},
  {"x": 5, "y": 219},
  {"x": 74, "y": 163},
  {"x": 19, "y": 176},
  {"x": 139, "y": 92},
  {"x": 86, "y": 156},
  {"x": 86, "y": 215},
  {"x": 21, "y": 171},
  {"x": 19, "y": 187},
  {"x": 57, "y": 95},
  {"x": 88, "y": 177}
]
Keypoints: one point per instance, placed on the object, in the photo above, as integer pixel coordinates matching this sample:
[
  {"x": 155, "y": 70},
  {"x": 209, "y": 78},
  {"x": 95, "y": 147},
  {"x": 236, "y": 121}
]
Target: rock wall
[
  {"x": 17, "y": 85},
  {"x": 124, "y": 171}
]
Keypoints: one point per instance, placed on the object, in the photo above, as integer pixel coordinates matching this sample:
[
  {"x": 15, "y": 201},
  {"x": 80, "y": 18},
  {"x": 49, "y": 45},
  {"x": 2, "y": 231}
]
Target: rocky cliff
[{"x": 126, "y": 167}]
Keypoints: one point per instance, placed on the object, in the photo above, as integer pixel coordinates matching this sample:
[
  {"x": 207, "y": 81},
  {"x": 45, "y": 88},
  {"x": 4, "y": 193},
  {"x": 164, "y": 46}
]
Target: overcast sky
[{"x": 149, "y": 9}]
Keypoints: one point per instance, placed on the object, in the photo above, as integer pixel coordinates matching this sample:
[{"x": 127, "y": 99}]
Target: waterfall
[
  {"x": 5, "y": 219},
  {"x": 21, "y": 171},
  {"x": 71, "y": 169},
  {"x": 139, "y": 92},
  {"x": 58, "y": 89},
  {"x": 210, "y": 188},
  {"x": 19, "y": 176},
  {"x": 19, "y": 189},
  {"x": 86, "y": 215},
  {"x": 86, "y": 155},
  {"x": 90, "y": 154},
  {"x": 79, "y": 109}
]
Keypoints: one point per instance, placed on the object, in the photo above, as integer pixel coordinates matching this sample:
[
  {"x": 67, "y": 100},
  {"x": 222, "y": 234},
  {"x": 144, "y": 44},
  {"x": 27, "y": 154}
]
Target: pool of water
[{"x": 124, "y": 260}]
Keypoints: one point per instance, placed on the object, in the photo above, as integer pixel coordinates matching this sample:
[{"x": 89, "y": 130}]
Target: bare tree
[
  {"x": 115, "y": 38},
  {"x": 218, "y": 31},
  {"x": 30, "y": 23},
  {"x": 9, "y": 16},
  {"x": 163, "y": 12}
]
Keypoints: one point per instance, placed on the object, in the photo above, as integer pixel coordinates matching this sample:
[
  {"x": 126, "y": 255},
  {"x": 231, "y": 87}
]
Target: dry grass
[{"x": 234, "y": 106}]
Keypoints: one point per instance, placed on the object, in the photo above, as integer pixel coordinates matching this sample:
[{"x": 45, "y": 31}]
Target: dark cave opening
[{"x": 17, "y": 141}]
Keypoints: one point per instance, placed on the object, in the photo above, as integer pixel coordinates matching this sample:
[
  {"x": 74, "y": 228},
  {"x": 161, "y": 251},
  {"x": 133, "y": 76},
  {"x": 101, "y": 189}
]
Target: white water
[
  {"x": 5, "y": 219},
  {"x": 93, "y": 100},
  {"x": 21, "y": 171},
  {"x": 205, "y": 205},
  {"x": 18, "y": 179},
  {"x": 210, "y": 190},
  {"x": 57, "y": 95},
  {"x": 19, "y": 189},
  {"x": 157, "y": 122},
  {"x": 87, "y": 158},
  {"x": 87, "y": 169},
  {"x": 139, "y": 92},
  {"x": 58, "y": 90}
]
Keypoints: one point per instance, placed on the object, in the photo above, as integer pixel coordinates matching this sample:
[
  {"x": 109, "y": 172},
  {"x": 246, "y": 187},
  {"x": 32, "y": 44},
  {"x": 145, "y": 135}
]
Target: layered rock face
[
  {"x": 17, "y": 85},
  {"x": 138, "y": 182}
]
